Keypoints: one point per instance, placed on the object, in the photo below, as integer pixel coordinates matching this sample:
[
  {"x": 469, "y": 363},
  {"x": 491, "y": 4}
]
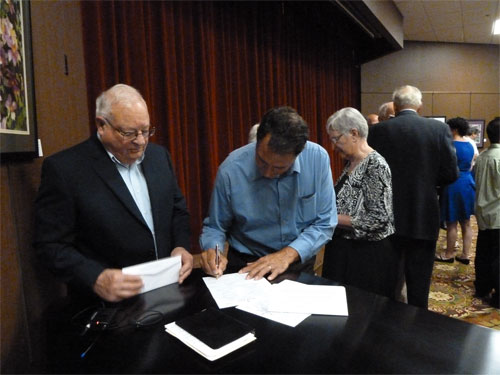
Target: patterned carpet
[{"x": 452, "y": 288}]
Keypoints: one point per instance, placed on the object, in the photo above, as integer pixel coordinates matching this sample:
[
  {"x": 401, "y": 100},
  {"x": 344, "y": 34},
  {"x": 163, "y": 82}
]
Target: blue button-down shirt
[{"x": 261, "y": 215}]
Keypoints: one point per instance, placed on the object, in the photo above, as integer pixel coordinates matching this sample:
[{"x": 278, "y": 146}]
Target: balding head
[{"x": 407, "y": 97}]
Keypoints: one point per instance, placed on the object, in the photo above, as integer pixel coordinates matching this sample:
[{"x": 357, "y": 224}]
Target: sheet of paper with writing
[
  {"x": 251, "y": 296},
  {"x": 234, "y": 289},
  {"x": 291, "y": 296}
]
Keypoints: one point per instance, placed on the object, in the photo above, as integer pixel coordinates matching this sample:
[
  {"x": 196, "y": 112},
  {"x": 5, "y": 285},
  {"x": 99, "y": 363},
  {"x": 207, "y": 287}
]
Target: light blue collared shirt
[
  {"x": 261, "y": 215},
  {"x": 136, "y": 183}
]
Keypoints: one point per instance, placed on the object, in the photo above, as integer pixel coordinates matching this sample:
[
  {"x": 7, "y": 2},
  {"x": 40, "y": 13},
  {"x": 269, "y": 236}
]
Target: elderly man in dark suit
[
  {"x": 421, "y": 156},
  {"x": 111, "y": 202}
]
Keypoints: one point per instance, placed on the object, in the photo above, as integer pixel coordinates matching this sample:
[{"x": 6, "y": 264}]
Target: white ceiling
[{"x": 460, "y": 21}]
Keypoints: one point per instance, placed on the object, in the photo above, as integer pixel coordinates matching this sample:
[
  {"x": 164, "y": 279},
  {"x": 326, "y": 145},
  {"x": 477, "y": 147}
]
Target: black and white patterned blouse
[{"x": 366, "y": 196}]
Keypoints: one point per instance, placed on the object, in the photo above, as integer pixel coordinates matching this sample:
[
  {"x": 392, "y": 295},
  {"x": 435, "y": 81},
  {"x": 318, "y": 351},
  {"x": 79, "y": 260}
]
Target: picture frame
[
  {"x": 480, "y": 125},
  {"x": 18, "y": 131},
  {"x": 439, "y": 118}
]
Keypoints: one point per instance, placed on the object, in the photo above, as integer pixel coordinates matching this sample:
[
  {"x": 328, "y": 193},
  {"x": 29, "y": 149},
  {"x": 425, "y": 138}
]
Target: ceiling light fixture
[{"x": 496, "y": 27}]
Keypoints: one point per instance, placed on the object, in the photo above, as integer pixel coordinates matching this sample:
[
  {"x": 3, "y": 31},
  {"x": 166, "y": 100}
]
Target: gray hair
[
  {"x": 407, "y": 96},
  {"x": 385, "y": 111},
  {"x": 346, "y": 119},
  {"x": 252, "y": 134},
  {"x": 118, "y": 94}
]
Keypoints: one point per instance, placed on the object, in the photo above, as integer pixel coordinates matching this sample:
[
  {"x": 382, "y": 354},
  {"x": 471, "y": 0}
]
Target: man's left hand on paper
[
  {"x": 275, "y": 264},
  {"x": 186, "y": 261}
]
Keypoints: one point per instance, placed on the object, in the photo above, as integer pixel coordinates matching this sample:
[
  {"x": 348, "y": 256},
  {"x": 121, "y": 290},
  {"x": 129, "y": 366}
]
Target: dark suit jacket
[
  {"x": 87, "y": 220},
  {"x": 421, "y": 156}
]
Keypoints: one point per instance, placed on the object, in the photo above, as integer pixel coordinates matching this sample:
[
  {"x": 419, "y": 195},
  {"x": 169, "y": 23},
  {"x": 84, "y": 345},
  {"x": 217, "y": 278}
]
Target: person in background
[
  {"x": 487, "y": 172},
  {"x": 421, "y": 156},
  {"x": 252, "y": 134},
  {"x": 273, "y": 200},
  {"x": 372, "y": 119},
  {"x": 457, "y": 199},
  {"x": 111, "y": 202},
  {"x": 386, "y": 111},
  {"x": 471, "y": 136},
  {"x": 361, "y": 253}
]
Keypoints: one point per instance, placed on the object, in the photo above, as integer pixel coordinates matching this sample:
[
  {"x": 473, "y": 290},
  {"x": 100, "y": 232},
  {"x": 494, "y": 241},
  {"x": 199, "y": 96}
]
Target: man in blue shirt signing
[{"x": 273, "y": 200}]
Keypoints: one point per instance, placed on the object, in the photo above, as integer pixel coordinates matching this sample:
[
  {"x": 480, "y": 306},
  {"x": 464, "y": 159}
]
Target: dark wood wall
[{"x": 62, "y": 120}]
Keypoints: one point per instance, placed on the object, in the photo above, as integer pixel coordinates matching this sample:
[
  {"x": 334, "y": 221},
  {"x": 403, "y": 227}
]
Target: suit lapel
[{"x": 109, "y": 174}]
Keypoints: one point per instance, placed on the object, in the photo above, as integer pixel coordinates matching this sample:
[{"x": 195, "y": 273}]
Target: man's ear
[{"x": 99, "y": 122}]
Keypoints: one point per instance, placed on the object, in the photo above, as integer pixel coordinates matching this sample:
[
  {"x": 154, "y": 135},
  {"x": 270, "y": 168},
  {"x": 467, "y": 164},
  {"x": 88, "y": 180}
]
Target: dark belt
[{"x": 238, "y": 260}]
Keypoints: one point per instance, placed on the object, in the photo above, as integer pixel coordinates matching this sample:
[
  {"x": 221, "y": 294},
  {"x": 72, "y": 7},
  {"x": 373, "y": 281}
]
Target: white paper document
[
  {"x": 252, "y": 296},
  {"x": 156, "y": 273},
  {"x": 203, "y": 349},
  {"x": 233, "y": 289},
  {"x": 289, "y": 319},
  {"x": 291, "y": 296}
]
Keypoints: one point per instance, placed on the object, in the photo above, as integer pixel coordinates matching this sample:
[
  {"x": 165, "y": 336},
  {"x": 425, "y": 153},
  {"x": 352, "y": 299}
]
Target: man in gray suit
[
  {"x": 421, "y": 156},
  {"x": 111, "y": 202}
]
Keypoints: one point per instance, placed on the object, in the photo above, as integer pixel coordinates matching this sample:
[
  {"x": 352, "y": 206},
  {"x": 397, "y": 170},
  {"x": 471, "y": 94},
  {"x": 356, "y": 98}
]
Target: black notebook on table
[{"x": 212, "y": 333}]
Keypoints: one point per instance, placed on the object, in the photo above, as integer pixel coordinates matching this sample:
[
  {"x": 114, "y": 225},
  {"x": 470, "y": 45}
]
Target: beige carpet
[{"x": 452, "y": 288}]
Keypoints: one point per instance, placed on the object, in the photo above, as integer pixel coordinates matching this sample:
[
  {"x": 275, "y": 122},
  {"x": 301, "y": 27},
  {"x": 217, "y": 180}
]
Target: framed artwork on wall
[
  {"x": 18, "y": 134},
  {"x": 479, "y": 125},
  {"x": 439, "y": 118}
]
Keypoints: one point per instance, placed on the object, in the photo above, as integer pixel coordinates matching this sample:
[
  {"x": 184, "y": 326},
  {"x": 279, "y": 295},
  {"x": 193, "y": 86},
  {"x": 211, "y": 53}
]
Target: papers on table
[
  {"x": 156, "y": 273},
  {"x": 233, "y": 289},
  {"x": 288, "y": 302},
  {"x": 312, "y": 299}
]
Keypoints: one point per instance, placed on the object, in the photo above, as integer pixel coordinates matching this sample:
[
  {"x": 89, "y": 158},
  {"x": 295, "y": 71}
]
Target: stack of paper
[{"x": 288, "y": 302}]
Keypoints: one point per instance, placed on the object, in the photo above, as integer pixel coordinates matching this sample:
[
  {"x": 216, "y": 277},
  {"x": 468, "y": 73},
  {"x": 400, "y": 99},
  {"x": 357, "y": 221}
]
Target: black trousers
[
  {"x": 486, "y": 262},
  {"x": 369, "y": 265},
  {"x": 237, "y": 261},
  {"x": 418, "y": 258}
]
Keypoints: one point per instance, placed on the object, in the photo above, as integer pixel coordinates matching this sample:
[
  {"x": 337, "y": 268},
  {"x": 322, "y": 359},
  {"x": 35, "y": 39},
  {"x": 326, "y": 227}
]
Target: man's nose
[{"x": 140, "y": 139}]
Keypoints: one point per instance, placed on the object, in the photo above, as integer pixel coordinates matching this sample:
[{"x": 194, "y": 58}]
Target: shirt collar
[{"x": 116, "y": 161}]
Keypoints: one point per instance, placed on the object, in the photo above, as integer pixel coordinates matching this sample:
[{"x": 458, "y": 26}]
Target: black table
[{"x": 378, "y": 336}]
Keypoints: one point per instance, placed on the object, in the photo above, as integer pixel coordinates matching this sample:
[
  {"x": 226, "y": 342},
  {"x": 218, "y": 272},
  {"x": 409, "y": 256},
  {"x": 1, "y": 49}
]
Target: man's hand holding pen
[{"x": 213, "y": 261}]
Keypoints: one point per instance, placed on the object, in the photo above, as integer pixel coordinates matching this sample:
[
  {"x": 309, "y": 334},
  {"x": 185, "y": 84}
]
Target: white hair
[
  {"x": 346, "y": 119},
  {"x": 118, "y": 94},
  {"x": 252, "y": 134},
  {"x": 407, "y": 96}
]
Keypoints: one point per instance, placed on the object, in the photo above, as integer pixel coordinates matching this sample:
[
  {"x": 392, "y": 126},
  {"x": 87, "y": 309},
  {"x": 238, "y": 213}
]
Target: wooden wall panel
[
  {"x": 455, "y": 79},
  {"x": 27, "y": 289}
]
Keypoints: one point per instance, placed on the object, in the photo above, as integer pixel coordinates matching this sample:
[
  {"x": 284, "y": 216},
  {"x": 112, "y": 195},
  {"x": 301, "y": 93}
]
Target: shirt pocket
[{"x": 307, "y": 208}]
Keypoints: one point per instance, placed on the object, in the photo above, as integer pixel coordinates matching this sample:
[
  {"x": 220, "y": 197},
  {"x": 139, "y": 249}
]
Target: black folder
[{"x": 214, "y": 327}]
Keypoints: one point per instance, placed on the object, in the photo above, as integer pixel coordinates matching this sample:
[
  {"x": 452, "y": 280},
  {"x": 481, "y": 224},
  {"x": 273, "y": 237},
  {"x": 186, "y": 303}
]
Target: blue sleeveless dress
[{"x": 457, "y": 201}]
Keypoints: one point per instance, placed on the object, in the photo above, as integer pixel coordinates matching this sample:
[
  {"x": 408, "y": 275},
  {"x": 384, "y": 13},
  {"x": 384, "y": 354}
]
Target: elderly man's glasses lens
[
  {"x": 336, "y": 139},
  {"x": 131, "y": 135}
]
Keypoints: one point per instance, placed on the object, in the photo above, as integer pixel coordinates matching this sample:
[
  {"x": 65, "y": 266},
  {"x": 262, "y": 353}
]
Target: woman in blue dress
[{"x": 457, "y": 201}]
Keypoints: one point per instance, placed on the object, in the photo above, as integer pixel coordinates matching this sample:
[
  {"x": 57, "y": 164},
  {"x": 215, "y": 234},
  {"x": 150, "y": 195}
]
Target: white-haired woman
[{"x": 360, "y": 253}]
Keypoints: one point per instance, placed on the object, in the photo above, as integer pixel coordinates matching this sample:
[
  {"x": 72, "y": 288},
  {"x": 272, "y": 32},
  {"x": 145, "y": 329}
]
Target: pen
[
  {"x": 217, "y": 258},
  {"x": 87, "y": 326}
]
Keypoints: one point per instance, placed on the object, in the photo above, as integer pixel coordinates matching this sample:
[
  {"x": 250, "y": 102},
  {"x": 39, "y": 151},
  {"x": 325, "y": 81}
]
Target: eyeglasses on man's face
[{"x": 133, "y": 134}]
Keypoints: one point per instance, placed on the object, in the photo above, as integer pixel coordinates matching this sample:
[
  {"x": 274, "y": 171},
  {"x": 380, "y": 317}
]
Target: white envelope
[{"x": 156, "y": 273}]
